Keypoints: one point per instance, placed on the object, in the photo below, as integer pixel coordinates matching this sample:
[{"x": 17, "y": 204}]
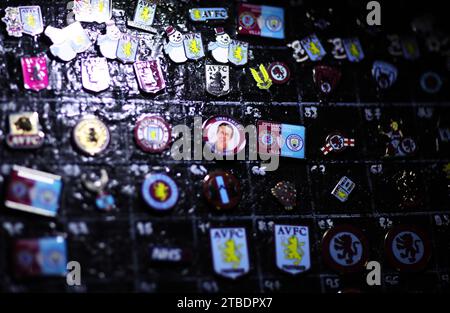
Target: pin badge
[
  {"x": 207, "y": 14},
  {"x": 326, "y": 78},
  {"x": 23, "y": 20},
  {"x": 343, "y": 189},
  {"x": 223, "y": 135},
  {"x": 410, "y": 48},
  {"x": 408, "y": 248},
  {"x": 35, "y": 72},
  {"x": 281, "y": 139},
  {"x": 91, "y": 136},
  {"x": 385, "y": 74},
  {"x": 338, "y": 52},
  {"x": 150, "y": 76},
  {"x": 431, "y": 82},
  {"x": 98, "y": 11},
  {"x": 261, "y": 77},
  {"x": 292, "y": 248},
  {"x": 33, "y": 191},
  {"x": 229, "y": 252},
  {"x": 345, "y": 249},
  {"x": 221, "y": 47},
  {"x": 217, "y": 79},
  {"x": 279, "y": 73},
  {"x": 169, "y": 254},
  {"x": 144, "y": 14},
  {"x": 152, "y": 133},
  {"x": 25, "y": 132},
  {"x": 299, "y": 54},
  {"x": 336, "y": 142},
  {"x": 95, "y": 74},
  {"x": 40, "y": 257},
  {"x": 222, "y": 190},
  {"x": 174, "y": 46},
  {"x": 108, "y": 42},
  {"x": 313, "y": 48},
  {"x": 286, "y": 193},
  {"x": 68, "y": 41},
  {"x": 353, "y": 49},
  {"x": 193, "y": 46},
  {"x": 127, "y": 48},
  {"x": 104, "y": 200},
  {"x": 398, "y": 144},
  {"x": 261, "y": 20},
  {"x": 160, "y": 192},
  {"x": 238, "y": 52}
]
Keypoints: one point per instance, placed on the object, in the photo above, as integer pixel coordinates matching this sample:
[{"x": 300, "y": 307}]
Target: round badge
[
  {"x": 279, "y": 72},
  {"x": 336, "y": 141},
  {"x": 407, "y": 145},
  {"x": 274, "y": 23},
  {"x": 222, "y": 190},
  {"x": 247, "y": 20},
  {"x": 294, "y": 142},
  {"x": 345, "y": 249},
  {"x": 431, "y": 82},
  {"x": 407, "y": 248},
  {"x": 91, "y": 135},
  {"x": 223, "y": 135},
  {"x": 152, "y": 134},
  {"x": 160, "y": 192}
]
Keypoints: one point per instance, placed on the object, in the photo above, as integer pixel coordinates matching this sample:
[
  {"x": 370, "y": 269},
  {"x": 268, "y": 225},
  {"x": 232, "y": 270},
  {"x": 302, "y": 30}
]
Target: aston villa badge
[
  {"x": 150, "y": 76},
  {"x": 24, "y": 131},
  {"x": 292, "y": 248},
  {"x": 144, "y": 14},
  {"x": 95, "y": 74},
  {"x": 127, "y": 48},
  {"x": 35, "y": 73},
  {"x": 217, "y": 79},
  {"x": 98, "y": 11},
  {"x": 23, "y": 20},
  {"x": 193, "y": 46},
  {"x": 160, "y": 192}
]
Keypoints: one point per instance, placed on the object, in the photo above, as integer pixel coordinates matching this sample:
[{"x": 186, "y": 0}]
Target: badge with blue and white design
[
  {"x": 206, "y": 14},
  {"x": 193, "y": 46},
  {"x": 160, "y": 192},
  {"x": 385, "y": 74},
  {"x": 313, "y": 47},
  {"x": 144, "y": 14},
  {"x": 127, "y": 49},
  {"x": 292, "y": 248},
  {"x": 238, "y": 52},
  {"x": 229, "y": 252},
  {"x": 23, "y": 19},
  {"x": 281, "y": 139},
  {"x": 353, "y": 49},
  {"x": 98, "y": 11}
]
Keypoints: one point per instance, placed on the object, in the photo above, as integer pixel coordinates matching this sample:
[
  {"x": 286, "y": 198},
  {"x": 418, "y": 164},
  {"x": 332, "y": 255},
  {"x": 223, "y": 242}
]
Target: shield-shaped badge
[
  {"x": 410, "y": 48},
  {"x": 326, "y": 78},
  {"x": 238, "y": 52},
  {"x": 218, "y": 80},
  {"x": 313, "y": 48},
  {"x": 149, "y": 76},
  {"x": 127, "y": 49},
  {"x": 95, "y": 74},
  {"x": 385, "y": 74},
  {"x": 35, "y": 73},
  {"x": 144, "y": 14},
  {"x": 292, "y": 248},
  {"x": 98, "y": 11},
  {"x": 31, "y": 18},
  {"x": 230, "y": 252},
  {"x": 24, "y": 131},
  {"x": 353, "y": 49},
  {"x": 193, "y": 45}
]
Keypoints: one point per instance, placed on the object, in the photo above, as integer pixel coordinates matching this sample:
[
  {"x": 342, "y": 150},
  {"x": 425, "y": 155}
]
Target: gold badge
[{"x": 91, "y": 135}]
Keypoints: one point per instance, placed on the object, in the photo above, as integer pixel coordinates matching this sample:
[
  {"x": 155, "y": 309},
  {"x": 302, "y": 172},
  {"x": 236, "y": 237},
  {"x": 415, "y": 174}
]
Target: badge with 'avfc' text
[
  {"x": 149, "y": 76},
  {"x": 23, "y": 20},
  {"x": 35, "y": 73},
  {"x": 24, "y": 131},
  {"x": 292, "y": 248}
]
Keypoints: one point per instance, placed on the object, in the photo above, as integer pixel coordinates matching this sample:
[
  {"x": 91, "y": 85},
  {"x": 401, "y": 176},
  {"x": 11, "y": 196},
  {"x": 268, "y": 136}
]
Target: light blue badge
[
  {"x": 31, "y": 18},
  {"x": 144, "y": 15},
  {"x": 292, "y": 248},
  {"x": 313, "y": 48},
  {"x": 353, "y": 49},
  {"x": 229, "y": 252},
  {"x": 193, "y": 46},
  {"x": 293, "y": 137},
  {"x": 205, "y": 14},
  {"x": 160, "y": 192},
  {"x": 273, "y": 22},
  {"x": 127, "y": 49},
  {"x": 53, "y": 255},
  {"x": 238, "y": 52}
]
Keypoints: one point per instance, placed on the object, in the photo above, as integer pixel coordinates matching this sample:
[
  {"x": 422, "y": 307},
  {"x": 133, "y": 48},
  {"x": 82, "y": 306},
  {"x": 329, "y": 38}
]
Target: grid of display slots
[{"x": 381, "y": 194}]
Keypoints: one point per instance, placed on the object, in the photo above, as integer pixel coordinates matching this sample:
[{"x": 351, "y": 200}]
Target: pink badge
[{"x": 35, "y": 73}]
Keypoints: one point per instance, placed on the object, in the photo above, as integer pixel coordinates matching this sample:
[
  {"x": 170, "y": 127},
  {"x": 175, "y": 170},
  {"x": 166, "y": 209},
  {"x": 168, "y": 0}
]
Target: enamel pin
[
  {"x": 35, "y": 72},
  {"x": 98, "y": 11},
  {"x": 292, "y": 248},
  {"x": 160, "y": 192},
  {"x": 353, "y": 49},
  {"x": 286, "y": 194},
  {"x": 229, "y": 252},
  {"x": 385, "y": 74},
  {"x": 281, "y": 139},
  {"x": 108, "y": 42},
  {"x": 279, "y": 73},
  {"x": 336, "y": 142},
  {"x": 343, "y": 189},
  {"x": 24, "y": 131},
  {"x": 91, "y": 135},
  {"x": 326, "y": 78},
  {"x": 238, "y": 52},
  {"x": 222, "y": 190},
  {"x": 261, "y": 20},
  {"x": 144, "y": 14},
  {"x": 152, "y": 133},
  {"x": 217, "y": 79},
  {"x": 220, "y": 47},
  {"x": 193, "y": 46},
  {"x": 23, "y": 20},
  {"x": 95, "y": 74},
  {"x": 313, "y": 48},
  {"x": 261, "y": 77},
  {"x": 127, "y": 48},
  {"x": 174, "y": 46},
  {"x": 104, "y": 201},
  {"x": 150, "y": 76},
  {"x": 206, "y": 14},
  {"x": 33, "y": 191}
]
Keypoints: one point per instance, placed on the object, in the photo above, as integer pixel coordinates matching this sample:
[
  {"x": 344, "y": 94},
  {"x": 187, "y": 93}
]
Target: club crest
[
  {"x": 35, "y": 73},
  {"x": 238, "y": 52},
  {"x": 95, "y": 74},
  {"x": 144, "y": 14},
  {"x": 193, "y": 46},
  {"x": 217, "y": 80},
  {"x": 292, "y": 248},
  {"x": 149, "y": 76}
]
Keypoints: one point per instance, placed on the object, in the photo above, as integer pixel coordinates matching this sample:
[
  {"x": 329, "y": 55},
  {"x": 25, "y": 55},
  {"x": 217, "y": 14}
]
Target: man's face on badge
[{"x": 224, "y": 134}]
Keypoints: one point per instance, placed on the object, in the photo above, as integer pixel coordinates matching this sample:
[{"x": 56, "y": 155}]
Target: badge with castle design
[
  {"x": 292, "y": 248},
  {"x": 229, "y": 252}
]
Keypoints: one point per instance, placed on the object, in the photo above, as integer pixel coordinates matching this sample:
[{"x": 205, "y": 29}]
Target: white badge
[
  {"x": 292, "y": 248},
  {"x": 95, "y": 74}
]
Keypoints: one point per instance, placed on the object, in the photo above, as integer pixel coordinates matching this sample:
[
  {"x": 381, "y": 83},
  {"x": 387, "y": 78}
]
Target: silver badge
[
  {"x": 218, "y": 79},
  {"x": 219, "y": 48},
  {"x": 95, "y": 74},
  {"x": 109, "y": 41},
  {"x": 193, "y": 46},
  {"x": 230, "y": 252},
  {"x": 127, "y": 48},
  {"x": 149, "y": 75},
  {"x": 238, "y": 52},
  {"x": 292, "y": 248},
  {"x": 144, "y": 14},
  {"x": 98, "y": 11}
]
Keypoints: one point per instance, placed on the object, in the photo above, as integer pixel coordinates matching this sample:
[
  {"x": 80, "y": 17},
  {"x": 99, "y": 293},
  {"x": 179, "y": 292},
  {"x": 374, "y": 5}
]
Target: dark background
[{"x": 113, "y": 247}]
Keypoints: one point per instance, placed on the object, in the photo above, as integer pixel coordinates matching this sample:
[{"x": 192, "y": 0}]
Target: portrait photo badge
[
  {"x": 292, "y": 248},
  {"x": 223, "y": 135},
  {"x": 229, "y": 252},
  {"x": 160, "y": 192},
  {"x": 33, "y": 191},
  {"x": 152, "y": 133}
]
